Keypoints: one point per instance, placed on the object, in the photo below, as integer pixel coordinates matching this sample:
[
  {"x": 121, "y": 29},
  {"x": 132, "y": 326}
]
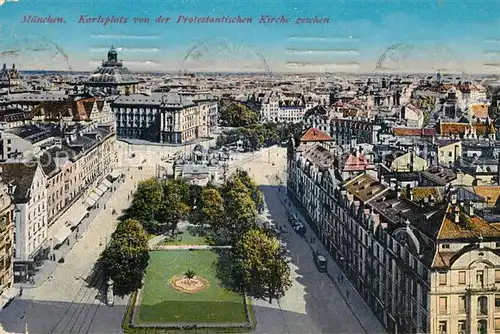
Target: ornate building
[
  {"x": 9, "y": 77},
  {"x": 112, "y": 78},
  {"x": 165, "y": 117},
  {"x": 423, "y": 264}
]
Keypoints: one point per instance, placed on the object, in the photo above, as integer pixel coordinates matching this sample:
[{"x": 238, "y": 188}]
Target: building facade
[
  {"x": 422, "y": 265},
  {"x": 6, "y": 243},
  {"x": 174, "y": 118},
  {"x": 30, "y": 215}
]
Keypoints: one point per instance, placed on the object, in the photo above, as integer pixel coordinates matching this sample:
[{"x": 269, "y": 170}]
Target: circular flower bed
[{"x": 189, "y": 285}]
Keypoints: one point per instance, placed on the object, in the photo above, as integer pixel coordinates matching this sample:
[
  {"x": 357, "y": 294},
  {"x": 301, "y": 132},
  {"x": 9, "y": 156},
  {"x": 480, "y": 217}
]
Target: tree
[
  {"x": 252, "y": 187},
  {"x": 180, "y": 186},
  {"x": 241, "y": 213},
  {"x": 210, "y": 210},
  {"x": 146, "y": 201},
  {"x": 190, "y": 274},
  {"x": 126, "y": 257},
  {"x": 262, "y": 265},
  {"x": 172, "y": 209}
]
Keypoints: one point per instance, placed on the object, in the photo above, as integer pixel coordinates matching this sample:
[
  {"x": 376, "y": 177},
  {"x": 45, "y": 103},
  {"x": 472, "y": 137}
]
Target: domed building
[{"x": 112, "y": 78}]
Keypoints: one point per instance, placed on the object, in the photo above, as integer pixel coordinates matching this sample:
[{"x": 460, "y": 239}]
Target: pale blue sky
[{"x": 424, "y": 35}]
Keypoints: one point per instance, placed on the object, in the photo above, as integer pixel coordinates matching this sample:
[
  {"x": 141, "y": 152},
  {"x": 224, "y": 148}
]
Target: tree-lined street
[
  {"x": 315, "y": 303},
  {"x": 69, "y": 302}
]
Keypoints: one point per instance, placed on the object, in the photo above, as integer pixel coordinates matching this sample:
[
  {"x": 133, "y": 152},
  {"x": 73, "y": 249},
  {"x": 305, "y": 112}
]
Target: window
[
  {"x": 445, "y": 246},
  {"x": 461, "y": 304},
  {"x": 443, "y": 327},
  {"x": 461, "y": 327},
  {"x": 442, "y": 278},
  {"x": 443, "y": 305},
  {"x": 482, "y": 305},
  {"x": 480, "y": 277},
  {"x": 461, "y": 277},
  {"x": 497, "y": 276}
]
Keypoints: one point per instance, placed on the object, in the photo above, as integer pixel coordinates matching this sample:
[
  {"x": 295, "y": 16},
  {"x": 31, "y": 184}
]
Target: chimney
[
  {"x": 411, "y": 161},
  {"x": 457, "y": 215},
  {"x": 471, "y": 210},
  {"x": 398, "y": 191},
  {"x": 454, "y": 199},
  {"x": 411, "y": 195}
]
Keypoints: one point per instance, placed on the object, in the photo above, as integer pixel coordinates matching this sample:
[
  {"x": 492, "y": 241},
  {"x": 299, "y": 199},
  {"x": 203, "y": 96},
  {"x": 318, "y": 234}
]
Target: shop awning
[
  {"x": 103, "y": 187},
  {"x": 90, "y": 201},
  {"x": 106, "y": 183},
  {"x": 95, "y": 196},
  {"x": 99, "y": 191},
  {"x": 74, "y": 215},
  {"x": 61, "y": 235}
]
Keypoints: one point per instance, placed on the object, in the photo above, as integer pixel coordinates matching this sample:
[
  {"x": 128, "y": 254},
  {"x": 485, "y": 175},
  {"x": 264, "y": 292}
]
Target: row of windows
[{"x": 462, "y": 277}]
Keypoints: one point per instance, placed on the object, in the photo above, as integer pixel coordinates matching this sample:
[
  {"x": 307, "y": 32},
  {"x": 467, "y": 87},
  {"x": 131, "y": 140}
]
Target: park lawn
[
  {"x": 160, "y": 303},
  {"x": 184, "y": 238}
]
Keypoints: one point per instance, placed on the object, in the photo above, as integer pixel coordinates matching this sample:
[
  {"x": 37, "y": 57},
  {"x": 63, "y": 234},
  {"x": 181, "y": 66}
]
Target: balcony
[{"x": 481, "y": 288}]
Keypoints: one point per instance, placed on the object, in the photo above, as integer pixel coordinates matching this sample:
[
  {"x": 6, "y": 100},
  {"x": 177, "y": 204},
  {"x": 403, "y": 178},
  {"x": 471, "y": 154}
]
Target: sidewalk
[
  {"x": 356, "y": 303},
  {"x": 44, "y": 272}
]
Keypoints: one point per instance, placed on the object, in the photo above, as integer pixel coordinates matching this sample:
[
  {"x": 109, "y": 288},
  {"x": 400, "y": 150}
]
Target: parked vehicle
[
  {"x": 320, "y": 262},
  {"x": 300, "y": 229}
]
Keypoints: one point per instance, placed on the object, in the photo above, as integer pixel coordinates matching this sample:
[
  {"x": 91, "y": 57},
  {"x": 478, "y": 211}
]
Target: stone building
[
  {"x": 174, "y": 118},
  {"x": 9, "y": 77},
  {"x": 421, "y": 265},
  {"x": 6, "y": 244},
  {"x": 112, "y": 78},
  {"x": 30, "y": 216}
]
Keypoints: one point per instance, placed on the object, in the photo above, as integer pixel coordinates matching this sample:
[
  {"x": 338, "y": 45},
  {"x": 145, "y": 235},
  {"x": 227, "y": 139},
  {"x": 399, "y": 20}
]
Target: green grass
[
  {"x": 184, "y": 238},
  {"x": 163, "y": 304}
]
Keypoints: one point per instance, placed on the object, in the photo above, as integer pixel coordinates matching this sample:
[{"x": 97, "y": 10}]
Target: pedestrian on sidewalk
[{"x": 20, "y": 291}]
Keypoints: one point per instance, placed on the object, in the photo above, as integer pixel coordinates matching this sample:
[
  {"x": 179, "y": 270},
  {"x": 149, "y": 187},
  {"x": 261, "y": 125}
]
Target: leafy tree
[
  {"x": 262, "y": 265},
  {"x": 194, "y": 194},
  {"x": 126, "y": 257},
  {"x": 261, "y": 135},
  {"x": 173, "y": 208},
  {"x": 252, "y": 188},
  {"x": 180, "y": 186},
  {"x": 235, "y": 114},
  {"x": 241, "y": 213},
  {"x": 146, "y": 201},
  {"x": 210, "y": 210}
]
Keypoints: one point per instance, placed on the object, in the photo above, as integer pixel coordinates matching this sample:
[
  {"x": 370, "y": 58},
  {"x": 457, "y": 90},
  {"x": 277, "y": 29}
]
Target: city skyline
[{"x": 421, "y": 36}]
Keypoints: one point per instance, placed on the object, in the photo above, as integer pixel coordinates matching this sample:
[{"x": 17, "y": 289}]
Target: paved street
[
  {"x": 69, "y": 302},
  {"x": 315, "y": 303}
]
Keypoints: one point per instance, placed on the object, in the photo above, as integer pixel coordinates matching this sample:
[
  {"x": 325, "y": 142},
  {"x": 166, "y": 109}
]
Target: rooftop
[{"x": 314, "y": 135}]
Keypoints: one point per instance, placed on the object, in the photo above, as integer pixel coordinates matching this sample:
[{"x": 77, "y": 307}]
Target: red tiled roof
[
  {"x": 315, "y": 135},
  {"x": 355, "y": 163},
  {"x": 414, "y": 132},
  {"x": 480, "y": 110},
  {"x": 460, "y": 128}
]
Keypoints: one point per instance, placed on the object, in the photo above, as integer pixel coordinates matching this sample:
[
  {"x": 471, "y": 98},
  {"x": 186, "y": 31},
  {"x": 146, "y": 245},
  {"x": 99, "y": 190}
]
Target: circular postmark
[
  {"x": 33, "y": 52},
  {"x": 419, "y": 57},
  {"x": 222, "y": 55},
  {"x": 189, "y": 285}
]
